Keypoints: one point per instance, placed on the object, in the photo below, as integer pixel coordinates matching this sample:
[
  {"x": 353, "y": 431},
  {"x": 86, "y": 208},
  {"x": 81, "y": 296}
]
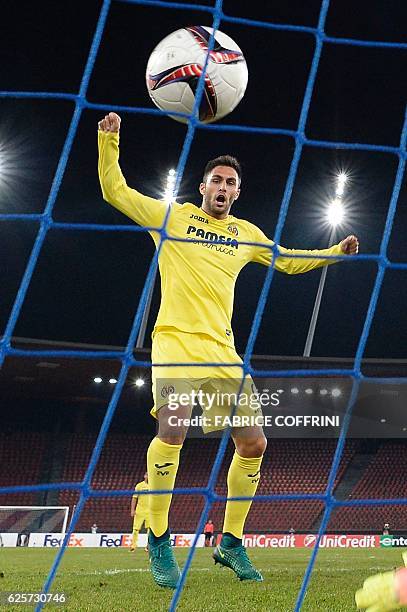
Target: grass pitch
[{"x": 115, "y": 580}]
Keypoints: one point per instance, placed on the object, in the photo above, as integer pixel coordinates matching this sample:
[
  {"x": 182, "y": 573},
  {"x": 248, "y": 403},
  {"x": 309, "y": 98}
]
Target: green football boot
[
  {"x": 163, "y": 564},
  {"x": 231, "y": 553}
]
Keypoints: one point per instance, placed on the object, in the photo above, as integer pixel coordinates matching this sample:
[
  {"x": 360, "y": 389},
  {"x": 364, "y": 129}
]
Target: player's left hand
[
  {"x": 383, "y": 592},
  {"x": 350, "y": 245},
  {"x": 110, "y": 123}
]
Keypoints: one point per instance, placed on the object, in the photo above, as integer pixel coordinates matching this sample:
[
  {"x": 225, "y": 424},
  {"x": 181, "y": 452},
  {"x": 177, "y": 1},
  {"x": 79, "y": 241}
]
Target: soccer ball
[{"x": 176, "y": 63}]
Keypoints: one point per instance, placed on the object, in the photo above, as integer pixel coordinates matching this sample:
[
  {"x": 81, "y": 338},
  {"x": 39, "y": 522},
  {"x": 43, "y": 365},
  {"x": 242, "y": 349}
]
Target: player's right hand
[
  {"x": 110, "y": 123},
  {"x": 383, "y": 592}
]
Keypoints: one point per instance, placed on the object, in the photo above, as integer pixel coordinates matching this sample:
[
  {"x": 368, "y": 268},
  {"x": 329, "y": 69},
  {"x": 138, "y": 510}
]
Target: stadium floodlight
[
  {"x": 97, "y": 380},
  {"x": 335, "y": 215},
  {"x": 309, "y": 391},
  {"x": 113, "y": 381},
  {"x": 294, "y": 391},
  {"x": 7, "y": 165},
  {"x": 168, "y": 198},
  {"x": 139, "y": 382},
  {"x": 336, "y": 392},
  {"x": 170, "y": 185},
  {"x": 340, "y": 184},
  {"x": 323, "y": 392}
]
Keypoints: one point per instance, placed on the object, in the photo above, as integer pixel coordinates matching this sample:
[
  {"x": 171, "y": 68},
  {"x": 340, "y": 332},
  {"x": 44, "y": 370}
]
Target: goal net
[{"x": 33, "y": 519}]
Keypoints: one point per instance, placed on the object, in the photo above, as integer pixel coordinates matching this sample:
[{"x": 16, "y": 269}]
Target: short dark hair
[{"x": 223, "y": 160}]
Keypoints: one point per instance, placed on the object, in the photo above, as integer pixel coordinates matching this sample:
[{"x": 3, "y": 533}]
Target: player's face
[{"x": 219, "y": 191}]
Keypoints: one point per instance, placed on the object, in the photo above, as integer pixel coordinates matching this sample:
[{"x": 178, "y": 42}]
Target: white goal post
[{"x": 33, "y": 519}]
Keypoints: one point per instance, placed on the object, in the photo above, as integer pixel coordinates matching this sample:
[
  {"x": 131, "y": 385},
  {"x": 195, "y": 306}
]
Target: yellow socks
[
  {"x": 243, "y": 478},
  {"x": 162, "y": 466}
]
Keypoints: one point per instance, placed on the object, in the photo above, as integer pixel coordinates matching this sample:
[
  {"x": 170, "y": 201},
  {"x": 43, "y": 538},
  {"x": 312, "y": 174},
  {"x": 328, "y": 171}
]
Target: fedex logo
[
  {"x": 122, "y": 540},
  {"x": 53, "y": 542},
  {"x": 181, "y": 540}
]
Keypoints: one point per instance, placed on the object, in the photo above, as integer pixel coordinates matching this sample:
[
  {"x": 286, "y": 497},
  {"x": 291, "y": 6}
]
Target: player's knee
[
  {"x": 171, "y": 434},
  {"x": 172, "y": 438},
  {"x": 251, "y": 447},
  {"x": 263, "y": 444},
  {"x": 260, "y": 446},
  {"x": 173, "y": 425}
]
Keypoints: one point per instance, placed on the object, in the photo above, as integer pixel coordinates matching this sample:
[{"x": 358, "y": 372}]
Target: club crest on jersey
[
  {"x": 233, "y": 229},
  {"x": 166, "y": 390}
]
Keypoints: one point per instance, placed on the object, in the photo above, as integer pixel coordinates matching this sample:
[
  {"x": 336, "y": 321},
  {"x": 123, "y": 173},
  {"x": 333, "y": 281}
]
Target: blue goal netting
[{"x": 45, "y": 223}]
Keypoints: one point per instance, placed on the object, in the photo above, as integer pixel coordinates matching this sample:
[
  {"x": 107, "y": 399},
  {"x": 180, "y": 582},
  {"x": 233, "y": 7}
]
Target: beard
[{"x": 218, "y": 207}]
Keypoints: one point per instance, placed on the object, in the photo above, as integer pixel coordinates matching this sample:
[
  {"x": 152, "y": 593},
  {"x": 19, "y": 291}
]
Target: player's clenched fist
[
  {"x": 350, "y": 245},
  {"x": 383, "y": 592},
  {"x": 110, "y": 123}
]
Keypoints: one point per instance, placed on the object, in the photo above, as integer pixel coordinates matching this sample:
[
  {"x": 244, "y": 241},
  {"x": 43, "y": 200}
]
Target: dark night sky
[{"x": 87, "y": 284}]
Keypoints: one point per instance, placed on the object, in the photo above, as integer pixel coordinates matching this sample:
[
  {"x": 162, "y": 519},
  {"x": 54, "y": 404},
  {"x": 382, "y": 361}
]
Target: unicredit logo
[{"x": 309, "y": 540}]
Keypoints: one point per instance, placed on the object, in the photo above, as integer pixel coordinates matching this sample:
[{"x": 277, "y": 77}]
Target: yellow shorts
[
  {"x": 139, "y": 519},
  {"x": 221, "y": 384}
]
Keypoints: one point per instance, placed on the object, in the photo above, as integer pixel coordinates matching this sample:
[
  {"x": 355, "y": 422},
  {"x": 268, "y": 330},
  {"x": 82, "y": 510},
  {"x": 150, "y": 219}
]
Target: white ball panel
[
  {"x": 170, "y": 93},
  {"x": 181, "y": 48}
]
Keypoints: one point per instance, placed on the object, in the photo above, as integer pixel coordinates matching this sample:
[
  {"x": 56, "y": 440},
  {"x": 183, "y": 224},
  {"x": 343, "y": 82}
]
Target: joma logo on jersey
[
  {"x": 200, "y": 233},
  {"x": 201, "y": 219}
]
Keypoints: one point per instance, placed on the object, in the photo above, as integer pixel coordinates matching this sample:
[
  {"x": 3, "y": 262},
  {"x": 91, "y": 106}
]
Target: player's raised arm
[
  {"x": 142, "y": 209},
  {"x": 298, "y": 265}
]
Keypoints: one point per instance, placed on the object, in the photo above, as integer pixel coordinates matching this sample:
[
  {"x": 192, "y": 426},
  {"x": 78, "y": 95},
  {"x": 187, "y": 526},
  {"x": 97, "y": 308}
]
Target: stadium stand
[
  {"x": 22, "y": 455},
  {"x": 290, "y": 466},
  {"x": 384, "y": 477}
]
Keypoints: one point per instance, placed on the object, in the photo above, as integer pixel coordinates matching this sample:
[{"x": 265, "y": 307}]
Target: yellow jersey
[
  {"x": 197, "y": 278},
  {"x": 142, "y": 500}
]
